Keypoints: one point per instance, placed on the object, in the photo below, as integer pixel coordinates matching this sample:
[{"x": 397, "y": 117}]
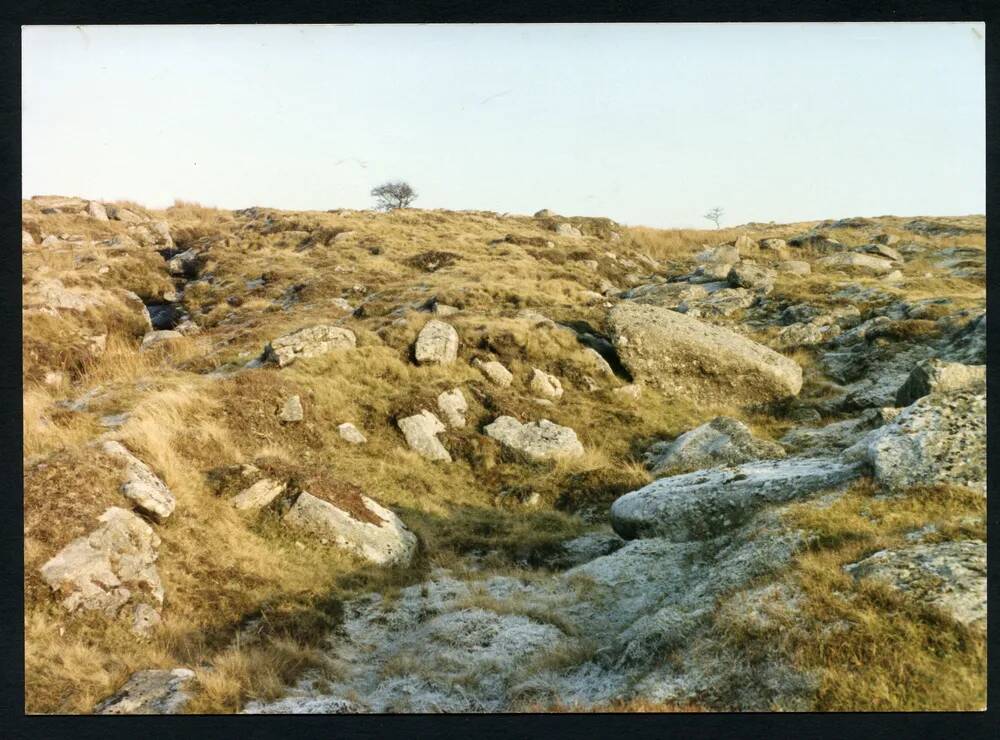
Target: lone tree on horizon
[
  {"x": 715, "y": 215},
  {"x": 392, "y": 195}
]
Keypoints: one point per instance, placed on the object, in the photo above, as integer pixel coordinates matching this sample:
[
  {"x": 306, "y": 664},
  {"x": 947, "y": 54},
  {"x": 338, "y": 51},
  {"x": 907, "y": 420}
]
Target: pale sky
[{"x": 645, "y": 123}]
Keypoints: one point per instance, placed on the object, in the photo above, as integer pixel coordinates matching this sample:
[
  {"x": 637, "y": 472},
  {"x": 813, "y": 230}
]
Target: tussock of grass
[{"x": 875, "y": 649}]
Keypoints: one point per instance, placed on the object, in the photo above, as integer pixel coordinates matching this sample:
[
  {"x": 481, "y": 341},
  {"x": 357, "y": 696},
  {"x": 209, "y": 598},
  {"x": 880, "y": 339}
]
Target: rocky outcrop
[
  {"x": 941, "y": 438},
  {"x": 384, "y": 541},
  {"x": 704, "y": 504},
  {"x": 539, "y": 440},
  {"x": 950, "y": 576},
  {"x": 437, "y": 344},
  {"x": 142, "y": 486},
  {"x": 722, "y": 441},
  {"x": 420, "y": 431},
  {"x": 113, "y": 565},
  {"x": 937, "y": 376},
  {"x": 683, "y": 356},
  {"x": 312, "y": 341},
  {"x": 150, "y": 692}
]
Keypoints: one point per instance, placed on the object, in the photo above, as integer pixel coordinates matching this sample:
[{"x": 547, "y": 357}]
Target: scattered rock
[
  {"x": 437, "y": 344},
  {"x": 632, "y": 390},
  {"x": 794, "y": 267},
  {"x": 452, "y": 405},
  {"x": 707, "y": 503},
  {"x": 950, "y": 576},
  {"x": 724, "y": 255},
  {"x": 160, "y": 336},
  {"x": 545, "y": 385},
  {"x": 350, "y": 433},
  {"x": 187, "y": 264},
  {"x": 568, "y": 230},
  {"x": 774, "y": 245},
  {"x": 882, "y": 250},
  {"x": 145, "y": 620},
  {"x": 114, "y": 564},
  {"x": 387, "y": 542},
  {"x": 96, "y": 210},
  {"x": 259, "y": 495},
  {"x": 888, "y": 239},
  {"x": 150, "y": 692},
  {"x": 309, "y": 342},
  {"x": 420, "y": 431},
  {"x": 544, "y": 213},
  {"x": 540, "y": 440},
  {"x": 292, "y": 410},
  {"x": 496, "y": 372},
  {"x": 142, "y": 486},
  {"x": 27, "y": 240},
  {"x": 722, "y": 441},
  {"x": 684, "y": 356},
  {"x": 751, "y": 276}
]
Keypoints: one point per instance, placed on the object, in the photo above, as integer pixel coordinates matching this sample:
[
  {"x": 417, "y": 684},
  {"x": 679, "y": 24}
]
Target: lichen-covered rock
[
  {"x": 96, "y": 210},
  {"x": 857, "y": 263},
  {"x": 452, "y": 405},
  {"x": 704, "y": 504},
  {"x": 950, "y": 576},
  {"x": 539, "y": 440},
  {"x": 545, "y": 385},
  {"x": 666, "y": 295},
  {"x": 111, "y": 566},
  {"x": 684, "y": 356},
  {"x": 350, "y": 433},
  {"x": 312, "y": 341},
  {"x": 941, "y": 438},
  {"x": 751, "y": 276},
  {"x": 420, "y": 431},
  {"x": 292, "y": 410},
  {"x": 807, "y": 334},
  {"x": 568, "y": 230},
  {"x": 142, "y": 486},
  {"x": 722, "y": 441},
  {"x": 386, "y": 541},
  {"x": 496, "y": 372},
  {"x": 937, "y": 376},
  {"x": 437, "y": 344},
  {"x": 259, "y": 495},
  {"x": 724, "y": 254},
  {"x": 150, "y": 692}
]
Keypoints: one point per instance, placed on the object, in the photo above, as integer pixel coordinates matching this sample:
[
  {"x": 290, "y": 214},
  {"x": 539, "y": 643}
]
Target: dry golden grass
[{"x": 248, "y": 602}]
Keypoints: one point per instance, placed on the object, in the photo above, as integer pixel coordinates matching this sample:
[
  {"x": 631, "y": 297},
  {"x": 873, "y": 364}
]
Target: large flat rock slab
[
  {"x": 684, "y": 356},
  {"x": 707, "y": 503}
]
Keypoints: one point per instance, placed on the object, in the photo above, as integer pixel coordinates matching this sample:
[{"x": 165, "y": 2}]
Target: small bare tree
[
  {"x": 391, "y": 195},
  {"x": 715, "y": 215}
]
